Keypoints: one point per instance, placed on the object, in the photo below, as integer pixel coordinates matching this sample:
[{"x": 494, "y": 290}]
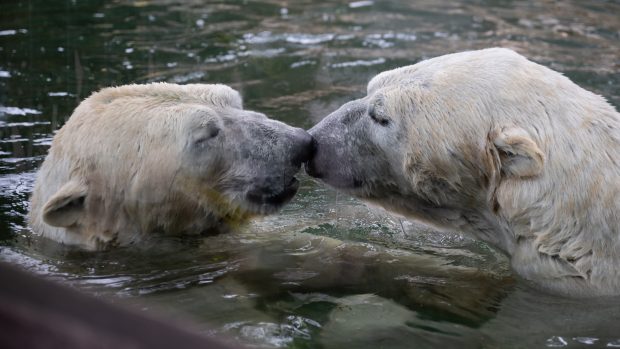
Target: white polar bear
[
  {"x": 188, "y": 159},
  {"x": 489, "y": 143}
]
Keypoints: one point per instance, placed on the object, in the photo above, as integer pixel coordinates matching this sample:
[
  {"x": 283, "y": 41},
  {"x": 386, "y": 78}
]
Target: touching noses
[{"x": 303, "y": 147}]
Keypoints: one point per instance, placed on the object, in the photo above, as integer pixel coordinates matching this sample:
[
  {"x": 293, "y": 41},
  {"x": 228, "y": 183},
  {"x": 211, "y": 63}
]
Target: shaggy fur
[
  {"x": 489, "y": 143},
  {"x": 136, "y": 159}
]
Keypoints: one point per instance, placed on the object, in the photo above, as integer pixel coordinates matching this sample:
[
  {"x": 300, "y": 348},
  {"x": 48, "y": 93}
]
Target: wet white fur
[
  {"x": 127, "y": 153},
  {"x": 527, "y": 160}
]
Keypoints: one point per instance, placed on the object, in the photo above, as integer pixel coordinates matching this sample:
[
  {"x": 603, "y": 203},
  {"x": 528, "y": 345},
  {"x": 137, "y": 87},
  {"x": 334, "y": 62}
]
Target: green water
[{"x": 328, "y": 271}]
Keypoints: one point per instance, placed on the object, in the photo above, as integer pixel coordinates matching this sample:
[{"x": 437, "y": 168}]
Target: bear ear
[
  {"x": 66, "y": 206},
  {"x": 519, "y": 155}
]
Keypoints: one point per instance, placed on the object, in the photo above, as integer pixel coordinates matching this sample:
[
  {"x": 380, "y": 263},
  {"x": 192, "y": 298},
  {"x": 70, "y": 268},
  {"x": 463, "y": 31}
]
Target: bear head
[
  {"x": 179, "y": 159},
  {"x": 489, "y": 143},
  {"x": 424, "y": 141}
]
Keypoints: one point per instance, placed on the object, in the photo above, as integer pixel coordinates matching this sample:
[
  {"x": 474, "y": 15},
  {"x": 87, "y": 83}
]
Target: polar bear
[
  {"x": 492, "y": 144},
  {"x": 180, "y": 159}
]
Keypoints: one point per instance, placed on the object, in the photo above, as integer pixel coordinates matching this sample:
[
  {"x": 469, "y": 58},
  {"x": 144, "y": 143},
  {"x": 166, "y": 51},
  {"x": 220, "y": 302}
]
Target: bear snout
[
  {"x": 311, "y": 169},
  {"x": 303, "y": 147},
  {"x": 310, "y": 164},
  {"x": 326, "y": 137},
  {"x": 314, "y": 164}
]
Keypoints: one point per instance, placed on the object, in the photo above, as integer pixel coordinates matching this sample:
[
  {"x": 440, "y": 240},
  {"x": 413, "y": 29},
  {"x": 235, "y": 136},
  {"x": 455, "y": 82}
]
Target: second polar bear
[
  {"x": 489, "y": 143},
  {"x": 180, "y": 159}
]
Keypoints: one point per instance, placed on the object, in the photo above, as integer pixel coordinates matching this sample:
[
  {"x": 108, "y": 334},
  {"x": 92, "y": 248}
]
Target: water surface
[{"x": 328, "y": 272}]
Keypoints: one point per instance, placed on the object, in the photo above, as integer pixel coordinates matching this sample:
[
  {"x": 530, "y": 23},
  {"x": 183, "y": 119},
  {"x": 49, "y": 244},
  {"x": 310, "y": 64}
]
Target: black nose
[
  {"x": 310, "y": 166},
  {"x": 311, "y": 169},
  {"x": 304, "y": 147}
]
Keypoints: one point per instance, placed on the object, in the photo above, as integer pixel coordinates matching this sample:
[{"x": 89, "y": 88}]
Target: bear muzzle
[
  {"x": 330, "y": 168},
  {"x": 303, "y": 147},
  {"x": 274, "y": 191}
]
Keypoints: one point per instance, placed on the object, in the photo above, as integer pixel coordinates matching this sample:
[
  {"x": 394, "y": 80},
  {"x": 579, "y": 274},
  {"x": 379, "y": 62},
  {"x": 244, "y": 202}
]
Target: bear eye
[
  {"x": 214, "y": 132},
  {"x": 377, "y": 114},
  {"x": 206, "y": 134}
]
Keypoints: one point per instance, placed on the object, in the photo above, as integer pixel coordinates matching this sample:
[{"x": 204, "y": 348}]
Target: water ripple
[
  {"x": 358, "y": 4},
  {"x": 17, "y": 111},
  {"x": 358, "y": 63},
  {"x": 9, "y": 32}
]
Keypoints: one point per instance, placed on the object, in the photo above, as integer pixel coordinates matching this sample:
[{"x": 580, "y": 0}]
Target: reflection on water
[{"x": 328, "y": 271}]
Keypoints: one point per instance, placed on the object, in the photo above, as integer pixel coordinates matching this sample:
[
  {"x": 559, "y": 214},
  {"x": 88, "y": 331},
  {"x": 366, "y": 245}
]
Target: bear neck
[
  {"x": 480, "y": 222},
  {"x": 566, "y": 245}
]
